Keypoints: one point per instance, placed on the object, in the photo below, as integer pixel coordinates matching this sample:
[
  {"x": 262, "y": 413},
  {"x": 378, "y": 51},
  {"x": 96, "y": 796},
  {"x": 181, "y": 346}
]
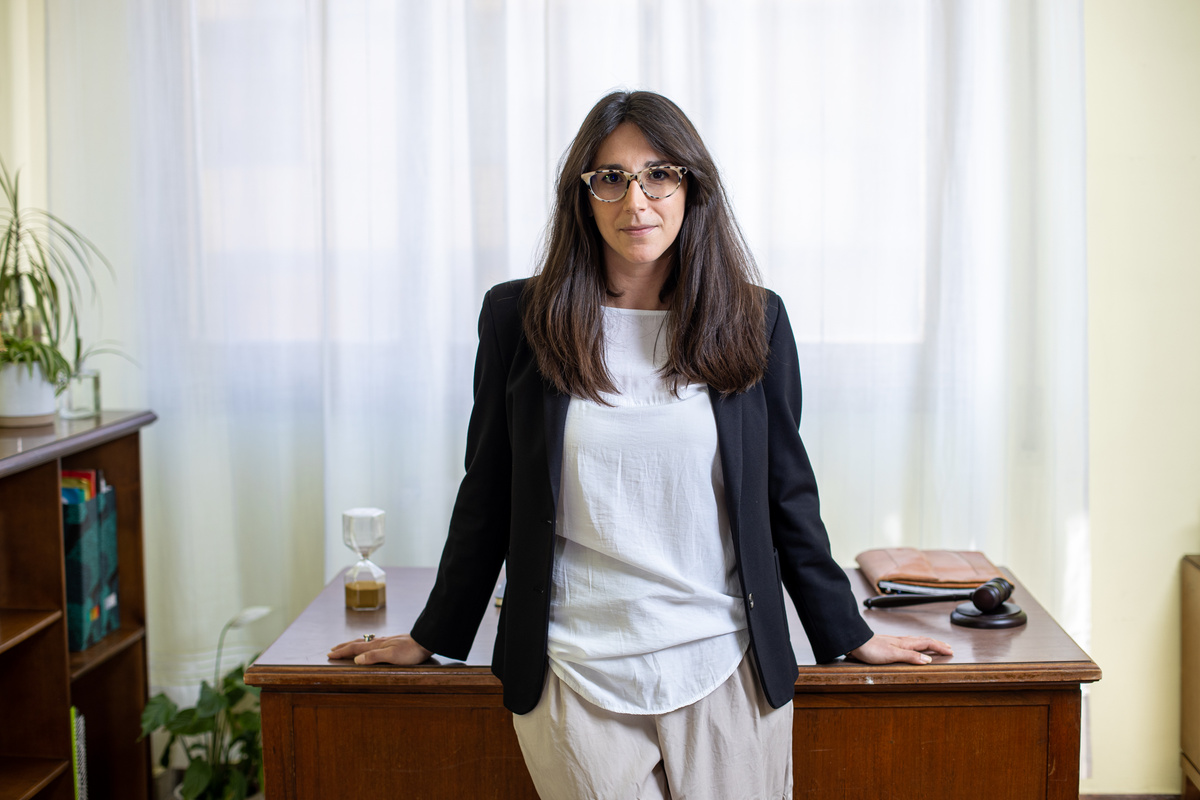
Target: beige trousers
[{"x": 730, "y": 745}]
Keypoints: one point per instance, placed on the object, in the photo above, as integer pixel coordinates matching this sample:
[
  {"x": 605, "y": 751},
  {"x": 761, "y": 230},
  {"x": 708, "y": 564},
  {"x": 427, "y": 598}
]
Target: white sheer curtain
[{"x": 309, "y": 199}]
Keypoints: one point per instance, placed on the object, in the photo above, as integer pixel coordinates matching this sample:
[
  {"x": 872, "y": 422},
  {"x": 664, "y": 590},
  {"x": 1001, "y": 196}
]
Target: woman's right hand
[{"x": 401, "y": 649}]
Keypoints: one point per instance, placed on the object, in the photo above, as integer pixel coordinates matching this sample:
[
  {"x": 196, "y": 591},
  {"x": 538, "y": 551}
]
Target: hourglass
[{"x": 362, "y": 531}]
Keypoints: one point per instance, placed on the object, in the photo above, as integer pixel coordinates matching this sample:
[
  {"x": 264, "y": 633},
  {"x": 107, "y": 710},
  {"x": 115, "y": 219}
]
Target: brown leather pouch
[{"x": 941, "y": 569}]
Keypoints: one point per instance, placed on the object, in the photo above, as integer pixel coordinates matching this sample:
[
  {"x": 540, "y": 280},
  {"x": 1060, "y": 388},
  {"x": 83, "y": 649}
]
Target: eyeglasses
[{"x": 610, "y": 185}]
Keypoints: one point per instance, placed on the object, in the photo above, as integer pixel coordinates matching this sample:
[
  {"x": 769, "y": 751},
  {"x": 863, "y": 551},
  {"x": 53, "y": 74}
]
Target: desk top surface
[{"x": 1039, "y": 651}]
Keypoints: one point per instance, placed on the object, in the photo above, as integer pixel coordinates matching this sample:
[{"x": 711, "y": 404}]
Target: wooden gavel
[{"x": 988, "y": 597}]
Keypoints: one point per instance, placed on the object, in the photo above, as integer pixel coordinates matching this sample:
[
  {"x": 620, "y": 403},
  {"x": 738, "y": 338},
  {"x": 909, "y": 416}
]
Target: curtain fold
[{"x": 307, "y": 200}]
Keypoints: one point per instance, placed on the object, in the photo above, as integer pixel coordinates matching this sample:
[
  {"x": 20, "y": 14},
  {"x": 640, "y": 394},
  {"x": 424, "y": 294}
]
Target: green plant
[
  {"x": 221, "y": 735},
  {"x": 43, "y": 265},
  {"x": 33, "y": 352}
]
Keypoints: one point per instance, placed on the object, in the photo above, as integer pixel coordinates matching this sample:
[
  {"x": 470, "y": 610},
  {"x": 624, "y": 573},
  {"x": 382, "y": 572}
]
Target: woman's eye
[
  {"x": 610, "y": 177},
  {"x": 658, "y": 174}
]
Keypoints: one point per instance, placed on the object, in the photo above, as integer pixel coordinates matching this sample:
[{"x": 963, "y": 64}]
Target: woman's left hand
[{"x": 880, "y": 649}]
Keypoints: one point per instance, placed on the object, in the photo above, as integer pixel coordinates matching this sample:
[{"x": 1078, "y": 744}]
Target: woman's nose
[{"x": 635, "y": 198}]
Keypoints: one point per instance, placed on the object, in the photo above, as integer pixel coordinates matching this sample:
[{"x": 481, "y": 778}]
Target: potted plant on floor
[
  {"x": 45, "y": 266},
  {"x": 221, "y": 735}
]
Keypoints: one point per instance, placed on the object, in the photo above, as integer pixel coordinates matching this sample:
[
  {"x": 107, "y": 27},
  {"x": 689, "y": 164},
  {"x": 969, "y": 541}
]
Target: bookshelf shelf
[
  {"x": 105, "y": 649},
  {"x": 39, "y": 678},
  {"x": 18, "y": 625},
  {"x": 24, "y": 778}
]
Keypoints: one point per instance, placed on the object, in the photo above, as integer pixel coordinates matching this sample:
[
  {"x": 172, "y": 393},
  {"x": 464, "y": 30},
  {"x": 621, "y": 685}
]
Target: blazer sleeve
[
  {"x": 478, "y": 535},
  {"x": 817, "y": 585}
]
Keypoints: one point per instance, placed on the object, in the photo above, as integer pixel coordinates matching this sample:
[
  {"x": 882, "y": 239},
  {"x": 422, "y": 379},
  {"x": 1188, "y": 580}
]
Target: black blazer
[{"x": 505, "y": 511}]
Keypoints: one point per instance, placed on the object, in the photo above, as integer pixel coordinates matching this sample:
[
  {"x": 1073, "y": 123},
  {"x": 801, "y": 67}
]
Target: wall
[
  {"x": 23, "y": 95},
  {"x": 1143, "y": 120}
]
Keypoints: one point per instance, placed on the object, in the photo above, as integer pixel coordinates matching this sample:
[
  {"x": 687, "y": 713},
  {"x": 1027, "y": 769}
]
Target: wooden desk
[{"x": 998, "y": 719}]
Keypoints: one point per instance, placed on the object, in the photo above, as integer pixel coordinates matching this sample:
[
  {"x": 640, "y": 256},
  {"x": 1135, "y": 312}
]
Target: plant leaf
[
  {"x": 211, "y": 701},
  {"x": 187, "y": 723},
  {"x": 196, "y": 779},
  {"x": 47, "y": 270},
  {"x": 235, "y": 675},
  {"x": 249, "y": 721},
  {"x": 237, "y": 786},
  {"x": 165, "y": 758},
  {"x": 155, "y": 715},
  {"x": 31, "y": 352},
  {"x": 234, "y": 695}
]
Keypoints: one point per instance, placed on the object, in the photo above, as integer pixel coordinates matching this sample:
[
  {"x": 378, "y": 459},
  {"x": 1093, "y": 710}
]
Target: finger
[
  {"x": 342, "y": 651},
  {"x": 906, "y": 656},
  {"x": 353, "y": 648},
  {"x": 939, "y": 647},
  {"x": 380, "y": 655},
  {"x": 927, "y": 643},
  {"x": 360, "y": 640}
]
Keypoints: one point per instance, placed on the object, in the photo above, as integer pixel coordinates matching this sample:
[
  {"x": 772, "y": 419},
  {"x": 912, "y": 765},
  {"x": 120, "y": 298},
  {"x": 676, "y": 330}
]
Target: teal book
[{"x": 90, "y": 541}]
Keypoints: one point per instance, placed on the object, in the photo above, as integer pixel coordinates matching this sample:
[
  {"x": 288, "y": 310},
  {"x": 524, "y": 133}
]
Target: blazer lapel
[
  {"x": 728, "y": 412},
  {"x": 554, "y": 407}
]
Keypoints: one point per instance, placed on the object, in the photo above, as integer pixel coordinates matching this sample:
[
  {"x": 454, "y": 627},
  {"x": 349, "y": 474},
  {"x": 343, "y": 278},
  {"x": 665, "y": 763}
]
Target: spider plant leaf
[
  {"x": 56, "y": 243},
  {"x": 58, "y": 261},
  {"x": 47, "y": 271},
  {"x": 86, "y": 245}
]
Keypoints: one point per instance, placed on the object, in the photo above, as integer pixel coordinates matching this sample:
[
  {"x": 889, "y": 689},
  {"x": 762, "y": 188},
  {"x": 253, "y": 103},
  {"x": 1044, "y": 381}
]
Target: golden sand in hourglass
[{"x": 366, "y": 595}]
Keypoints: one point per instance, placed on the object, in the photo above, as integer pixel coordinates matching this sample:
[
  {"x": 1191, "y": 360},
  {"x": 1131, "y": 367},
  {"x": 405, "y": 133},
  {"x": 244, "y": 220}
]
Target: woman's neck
[{"x": 638, "y": 287}]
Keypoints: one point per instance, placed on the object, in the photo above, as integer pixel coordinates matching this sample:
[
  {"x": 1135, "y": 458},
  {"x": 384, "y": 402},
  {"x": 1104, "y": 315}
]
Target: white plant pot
[{"x": 25, "y": 400}]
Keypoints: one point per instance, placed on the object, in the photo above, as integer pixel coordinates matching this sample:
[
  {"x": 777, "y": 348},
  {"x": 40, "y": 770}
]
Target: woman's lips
[{"x": 638, "y": 230}]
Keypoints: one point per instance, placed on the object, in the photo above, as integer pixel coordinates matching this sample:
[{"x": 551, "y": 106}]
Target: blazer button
[{"x": 750, "y": 599}]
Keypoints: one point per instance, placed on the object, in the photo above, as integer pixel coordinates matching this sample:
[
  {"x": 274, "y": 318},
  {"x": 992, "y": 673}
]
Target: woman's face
[{"x": 637, "y": 230}]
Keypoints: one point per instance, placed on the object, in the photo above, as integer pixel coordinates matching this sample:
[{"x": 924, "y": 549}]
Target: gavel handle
[{"x": 894, "y": 600}]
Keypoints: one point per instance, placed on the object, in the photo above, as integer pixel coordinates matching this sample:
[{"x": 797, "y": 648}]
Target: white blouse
[{"x": 646, "y": 613}]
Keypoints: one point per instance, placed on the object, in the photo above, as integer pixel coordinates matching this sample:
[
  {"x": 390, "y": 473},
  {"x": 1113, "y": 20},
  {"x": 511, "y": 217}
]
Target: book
[
  {"x": 78, "y": 754},
  {"x": 90, "y": 545},
  {"x": 81, "y": 479},
  {"x": 905, "y": 569}
]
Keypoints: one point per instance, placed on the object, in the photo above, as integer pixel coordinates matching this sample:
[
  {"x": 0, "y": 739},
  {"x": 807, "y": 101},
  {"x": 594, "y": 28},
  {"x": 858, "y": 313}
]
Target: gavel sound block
[{"x": 988, "y": 606}]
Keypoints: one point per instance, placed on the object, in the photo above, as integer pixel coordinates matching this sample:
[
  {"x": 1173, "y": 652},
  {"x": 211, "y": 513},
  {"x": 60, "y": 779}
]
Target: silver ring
[{"x": 367, "y": 637}]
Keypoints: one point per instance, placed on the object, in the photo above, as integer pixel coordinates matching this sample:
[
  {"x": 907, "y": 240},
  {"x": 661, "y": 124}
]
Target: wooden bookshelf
[
  {"x": 1189, "y": 738},
  {"x": 17, "y": 626},
  {"x": 39, "y": 678}
]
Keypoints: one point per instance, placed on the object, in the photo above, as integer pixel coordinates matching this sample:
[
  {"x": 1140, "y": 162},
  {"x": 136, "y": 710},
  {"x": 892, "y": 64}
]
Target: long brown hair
[{"x": 715, "y": 330}]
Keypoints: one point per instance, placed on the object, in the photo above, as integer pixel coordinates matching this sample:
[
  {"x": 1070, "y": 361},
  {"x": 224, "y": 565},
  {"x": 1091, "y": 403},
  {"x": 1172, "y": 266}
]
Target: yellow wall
[
  {"x": 23, "y": 95},
  {"x": 1143, "y": 122}
]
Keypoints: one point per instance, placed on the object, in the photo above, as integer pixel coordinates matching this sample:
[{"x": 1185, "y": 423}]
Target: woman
[{"x": 633, "y": 455}]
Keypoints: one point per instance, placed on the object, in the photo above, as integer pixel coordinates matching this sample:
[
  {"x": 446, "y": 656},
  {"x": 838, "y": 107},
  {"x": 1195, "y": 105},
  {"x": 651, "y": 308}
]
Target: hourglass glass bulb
[{"x": 362, "y": 530}]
